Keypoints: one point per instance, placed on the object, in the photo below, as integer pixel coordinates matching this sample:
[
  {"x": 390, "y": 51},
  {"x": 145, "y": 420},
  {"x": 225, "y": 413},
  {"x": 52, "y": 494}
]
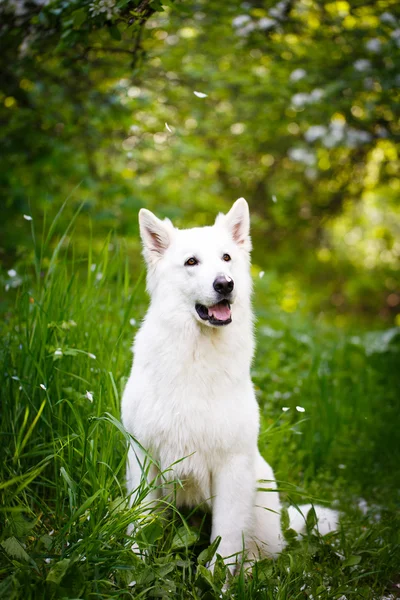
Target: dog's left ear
[{"x": 238, "y": 222}]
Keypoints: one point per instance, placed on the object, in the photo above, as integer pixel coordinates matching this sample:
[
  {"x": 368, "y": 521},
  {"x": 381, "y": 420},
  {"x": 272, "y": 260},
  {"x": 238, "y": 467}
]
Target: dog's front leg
[{"x": 233, "y": 499}]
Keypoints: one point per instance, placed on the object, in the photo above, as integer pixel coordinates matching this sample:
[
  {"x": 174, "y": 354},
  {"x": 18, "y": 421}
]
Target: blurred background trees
[{"x": 184, "y": 106}]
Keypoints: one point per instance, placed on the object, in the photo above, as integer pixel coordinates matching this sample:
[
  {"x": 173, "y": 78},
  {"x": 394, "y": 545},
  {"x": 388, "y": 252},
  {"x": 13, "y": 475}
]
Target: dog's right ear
[{"x": 156, "y": 235}]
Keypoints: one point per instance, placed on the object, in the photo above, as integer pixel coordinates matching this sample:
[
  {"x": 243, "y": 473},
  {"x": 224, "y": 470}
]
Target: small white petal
[
  {"x": 168, "y": 128},
  {"x": 89, "y": 396},
  {"x": 12, "y": 273},
  {"x": 27, "y": 218},
  {"x": 341, "y": 466},
  {"x": 15, "y": 377},
  {"x": 200, "y": 94},
  {"x": 300, "y": 409},
  {"x": 47, "y": 560},
  {"x": 51, "y": 532},
  {"x": 92, "y": 355},
  {"x": 93, "y": 267},
  {"x": 261, "y": 274},
  {"x": 132, "y": 322},
  {"x": 285, "y": 408},
  {"x": 274, "y": 198},
  {"x": 43, "y": 386},
  {"x": 58, "y": 352}
]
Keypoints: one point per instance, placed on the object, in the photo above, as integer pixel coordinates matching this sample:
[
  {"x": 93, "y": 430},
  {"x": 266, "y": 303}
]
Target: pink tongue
[{"x": 221, "y": 312}]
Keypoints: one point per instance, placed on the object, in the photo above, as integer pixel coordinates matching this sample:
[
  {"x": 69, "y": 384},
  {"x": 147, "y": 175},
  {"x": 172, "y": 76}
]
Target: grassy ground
[{"x": 64, "y": 360}]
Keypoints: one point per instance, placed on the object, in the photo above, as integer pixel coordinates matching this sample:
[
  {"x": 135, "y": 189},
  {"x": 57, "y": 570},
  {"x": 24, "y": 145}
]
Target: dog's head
[{"x": 200, "y": 271}]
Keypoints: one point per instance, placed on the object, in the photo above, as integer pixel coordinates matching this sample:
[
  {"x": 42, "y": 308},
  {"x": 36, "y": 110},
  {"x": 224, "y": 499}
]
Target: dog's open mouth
[{"x": 218, "y": 314}]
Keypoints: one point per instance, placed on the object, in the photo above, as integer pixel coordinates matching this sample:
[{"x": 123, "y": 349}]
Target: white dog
[{"x": 190, "y": 393}]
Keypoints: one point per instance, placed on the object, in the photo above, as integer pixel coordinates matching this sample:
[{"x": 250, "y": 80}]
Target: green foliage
[{"x": 296, "y": 112}]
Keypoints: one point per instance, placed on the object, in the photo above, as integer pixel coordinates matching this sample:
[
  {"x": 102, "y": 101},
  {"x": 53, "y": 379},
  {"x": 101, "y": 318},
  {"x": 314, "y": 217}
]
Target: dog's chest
[
  {"x": 190, "y": 412},
  {"x": 192, "y": 400}
]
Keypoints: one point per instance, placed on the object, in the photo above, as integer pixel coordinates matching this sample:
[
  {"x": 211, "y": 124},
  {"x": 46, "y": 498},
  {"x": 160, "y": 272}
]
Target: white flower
[
  {"x": 300, "y": 409},
  {"x": 238, "y": 128},
  {"x": 316, "y": 95},
  {"x": 362, "y": 64},
  {"x": 342, "y": 466},
  {"x": 240, "y": 20},
  {"x": 93, "y": 267},
  {"x": 200, "y": 94},
  {"x": 58, "y": 352},
  {"x": 132, "y": 322},
  {"x": 261, "y": 274},
  {"x": 266, "y": 23},
  {"x": 302, "y": 155},
  {"x": 315, "y": 132},
  {"x": 43, "y": 386},
  {"x": 27, "y": 218},
  {"x": 278, "y": 10},
  {"x": 168, "y": 128},
  {"x": 297, "y": 74},
  {"x": 354, "y": 137},
  {"x": 374, "y": 45},
  {"x": 12, "y": 273},
  {"x": 300, "y": 99},
  {"x": 99, "y": 276},
  {"x": 103, "y": 6},
  {"x": 396, "y": 36},
  {"x": 246, "y": 29},
  {"x": 363, "y": 506},
  {"x": 285, "y": 408},
  {"x": 387, "y": 18},
  {"x": 92, "y": 356},
  {"x": 89, "y": 396}
]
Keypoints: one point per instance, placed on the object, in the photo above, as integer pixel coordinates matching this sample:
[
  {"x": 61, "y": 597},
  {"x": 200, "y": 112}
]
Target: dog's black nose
[{"x": 223, "y": 285}]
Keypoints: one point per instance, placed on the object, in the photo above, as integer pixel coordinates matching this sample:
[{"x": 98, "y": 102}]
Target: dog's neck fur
[{"x": 192, "y": 339}]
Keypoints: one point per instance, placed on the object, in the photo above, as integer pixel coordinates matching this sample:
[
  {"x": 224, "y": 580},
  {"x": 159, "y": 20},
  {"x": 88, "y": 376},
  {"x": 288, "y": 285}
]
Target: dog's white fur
[{"x": 190, "y": 394}]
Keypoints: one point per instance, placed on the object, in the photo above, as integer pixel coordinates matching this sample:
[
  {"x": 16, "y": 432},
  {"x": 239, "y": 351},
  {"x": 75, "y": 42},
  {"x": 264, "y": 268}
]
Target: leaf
[
  {"x": 163, "y": 570},
  {"x": 10, "y": 588},
  {"x": 20, "y": 526},
  {"x": 311, "y": 519},
  {"x": 151, "y": 532},
  {"x": 13, "y": 548},
  {"x": 58, "y": 571},
  {"x": 206, "y": 555},
  {"x": 352, "y": 561},
  {"x": 47, "y": 541},
  {"x": 79, "y": 17},
  {"x": 263, "y": 570},
  {"x": 204, "y": 579},
  {"x": 184, "y": 537},
  {"x": 115, "y": 33}
]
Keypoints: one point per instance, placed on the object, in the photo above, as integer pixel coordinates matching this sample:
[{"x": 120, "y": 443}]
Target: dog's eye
[
  {"x": 191, "y": 262},
  {"x": 226, "y": 257}
]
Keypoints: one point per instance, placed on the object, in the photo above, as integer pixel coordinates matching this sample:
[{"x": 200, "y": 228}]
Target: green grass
[{"x": 65, "y": 355}]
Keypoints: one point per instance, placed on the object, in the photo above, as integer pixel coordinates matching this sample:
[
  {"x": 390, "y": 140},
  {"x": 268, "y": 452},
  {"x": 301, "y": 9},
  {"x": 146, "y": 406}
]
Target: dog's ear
[
  {"x": 156, "y": 235},
  {"x": 238, "y": 222}
]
